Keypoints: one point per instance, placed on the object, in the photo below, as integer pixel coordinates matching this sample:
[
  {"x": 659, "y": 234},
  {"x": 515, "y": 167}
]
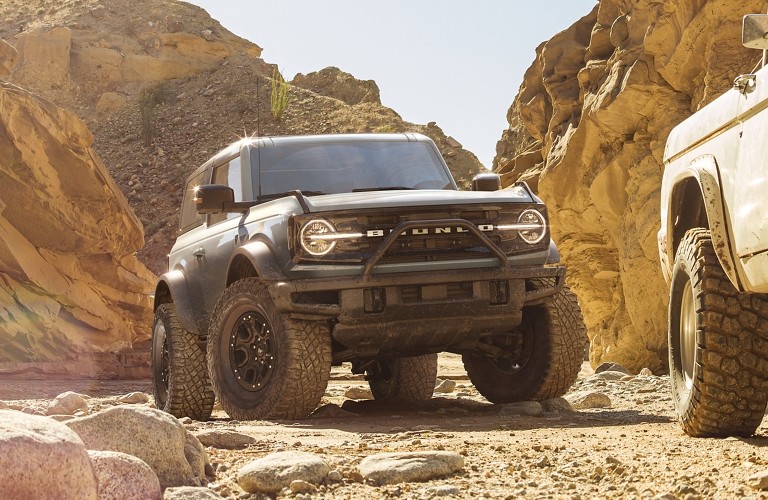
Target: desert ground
[{"x": 624, "y": 443}]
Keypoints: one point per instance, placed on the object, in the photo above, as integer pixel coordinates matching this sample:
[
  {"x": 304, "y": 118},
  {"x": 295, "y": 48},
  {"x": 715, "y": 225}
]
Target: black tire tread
[
  {"x": 730, "y": 385},
  {"x": 413, "y": 380},
  {"x": 303, "y": 374},
  {"x": 559, "y": 356},
  {"x": 190, "y": 393}
]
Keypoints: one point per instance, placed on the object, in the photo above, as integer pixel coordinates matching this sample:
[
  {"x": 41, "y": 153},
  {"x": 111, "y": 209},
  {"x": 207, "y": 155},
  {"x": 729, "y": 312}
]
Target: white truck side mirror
[{"x": 754, "y": 31}]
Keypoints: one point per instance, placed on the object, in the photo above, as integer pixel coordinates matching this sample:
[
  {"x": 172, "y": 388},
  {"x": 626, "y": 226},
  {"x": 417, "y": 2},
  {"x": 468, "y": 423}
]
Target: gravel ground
[{"x": 633, "y": 448}]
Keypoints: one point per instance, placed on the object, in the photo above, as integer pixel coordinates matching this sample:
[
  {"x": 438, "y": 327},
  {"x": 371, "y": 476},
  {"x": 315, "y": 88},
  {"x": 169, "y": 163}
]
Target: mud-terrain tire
[
  {"x": 545, "y": 360},
  {"x": 403, "y": 379},
  {"x": 718, "y": 345},
  {"x": 262, "y": 364},
  {"x": 180, "y": 382}
]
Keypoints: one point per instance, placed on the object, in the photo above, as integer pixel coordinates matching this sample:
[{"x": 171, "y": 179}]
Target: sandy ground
[{"x": 633, "y": 449}]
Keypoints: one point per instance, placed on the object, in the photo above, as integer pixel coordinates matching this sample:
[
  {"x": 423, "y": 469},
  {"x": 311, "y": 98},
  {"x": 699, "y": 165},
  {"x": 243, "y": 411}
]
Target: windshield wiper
[{"x": 386, "y": 188}]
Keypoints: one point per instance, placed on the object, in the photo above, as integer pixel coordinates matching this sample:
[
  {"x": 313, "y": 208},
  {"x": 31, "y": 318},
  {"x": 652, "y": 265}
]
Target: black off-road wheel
[
  {"x": 262, "y": 364},
  {"x": 180, "y": 382},
  {"x": 718, "y": 345},
  {"x": 540, "y": 360},
  {"x": 403, "y": 379}
]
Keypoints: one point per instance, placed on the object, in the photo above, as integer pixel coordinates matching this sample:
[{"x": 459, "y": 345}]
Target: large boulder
[
  {"x": 588, "y": 128},
  {"x": 42, "y": 458},
  {"x": 124, "y": 476},
  {"x": 157, "y": 438},
  {"x": 69, "y": 280}
]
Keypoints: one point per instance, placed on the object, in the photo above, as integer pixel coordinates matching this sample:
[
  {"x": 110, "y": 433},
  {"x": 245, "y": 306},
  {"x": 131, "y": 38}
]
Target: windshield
[{"x": 327, "y": 168}]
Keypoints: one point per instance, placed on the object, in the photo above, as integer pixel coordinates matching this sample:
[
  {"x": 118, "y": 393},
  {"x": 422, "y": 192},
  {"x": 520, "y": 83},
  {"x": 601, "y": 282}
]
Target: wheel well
[
  {"x": 688, "y": 211},
  {"x": 162, "y": 295},
  {"x": 240, "y": 268}
]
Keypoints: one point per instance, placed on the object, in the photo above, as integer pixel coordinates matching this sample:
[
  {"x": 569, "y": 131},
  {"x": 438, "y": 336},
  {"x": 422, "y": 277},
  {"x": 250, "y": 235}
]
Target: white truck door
[{"x": 749, "y": 200}]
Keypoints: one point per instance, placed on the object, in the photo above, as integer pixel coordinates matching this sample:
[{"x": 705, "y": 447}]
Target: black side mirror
[
  {"x": 486, "y": 182},
  {"x": 213, "y": 198}
]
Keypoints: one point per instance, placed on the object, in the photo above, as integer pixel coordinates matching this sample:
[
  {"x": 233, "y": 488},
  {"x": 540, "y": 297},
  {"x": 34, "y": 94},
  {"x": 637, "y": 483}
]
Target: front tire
[
  {"x": 540, "y": 360},
  {"x": 180, "y": 382},
  {"x": 261, "y": 363},
  {"x": 403, "y": 379},
  {"x": 717, "y": 345}
]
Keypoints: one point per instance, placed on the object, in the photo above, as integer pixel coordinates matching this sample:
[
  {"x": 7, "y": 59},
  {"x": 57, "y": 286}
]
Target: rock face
[
  {"x": 587, "y": 129},
  {"x": 333, "y": 82},
  {"x": 151, "y": 42},
  {"x": 69, "y": 282}
]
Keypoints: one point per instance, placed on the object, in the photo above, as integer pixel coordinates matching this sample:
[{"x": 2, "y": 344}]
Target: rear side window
[
  {"x": 229, "y": 174},
  {"x": 189, "y": 216}
]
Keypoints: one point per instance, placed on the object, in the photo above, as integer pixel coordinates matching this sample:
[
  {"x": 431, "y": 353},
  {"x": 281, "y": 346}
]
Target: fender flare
[
  {"x": 261, "y": 257},
  {"x": 172, "y": 287},
  {"x": 706, "y": 171},
  {"x": 554, "y": 253}
]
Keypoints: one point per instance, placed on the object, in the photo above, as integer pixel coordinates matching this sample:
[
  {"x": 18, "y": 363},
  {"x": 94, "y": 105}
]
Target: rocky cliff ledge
[
  {"x": 588, "y": 128},
  {"x": 69, "y": 281}
]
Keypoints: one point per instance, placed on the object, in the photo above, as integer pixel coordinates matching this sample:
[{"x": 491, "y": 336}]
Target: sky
[{"x": 453, "y": 62}]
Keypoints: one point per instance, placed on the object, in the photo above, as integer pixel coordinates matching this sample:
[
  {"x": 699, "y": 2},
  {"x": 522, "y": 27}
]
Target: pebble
[
  {"x": 445, "y": 386},
  {"x": 585, "y": 400},
  {"x": 758, "y": 481},
  {"x": 358, "y": 393},
  {"x": 405, "y": 467}
]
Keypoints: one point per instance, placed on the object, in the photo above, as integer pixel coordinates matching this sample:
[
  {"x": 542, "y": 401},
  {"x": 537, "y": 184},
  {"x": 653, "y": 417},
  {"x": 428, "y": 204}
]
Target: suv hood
[{"x": 389, "y": 199}]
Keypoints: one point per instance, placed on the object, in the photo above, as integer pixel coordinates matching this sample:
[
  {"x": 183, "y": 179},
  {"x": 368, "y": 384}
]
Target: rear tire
[
  {"x": 718, "y": 345},
  {"x": 403, "y": 379},
  {"x": 181, "y": 385},
  {"x": 262, "y": 364},
  {"x": 541, "y": 361}
]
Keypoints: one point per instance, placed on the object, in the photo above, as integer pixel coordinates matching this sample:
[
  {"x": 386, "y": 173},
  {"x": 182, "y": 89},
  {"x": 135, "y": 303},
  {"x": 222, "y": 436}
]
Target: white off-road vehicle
[{"x": 713, "y": 245}]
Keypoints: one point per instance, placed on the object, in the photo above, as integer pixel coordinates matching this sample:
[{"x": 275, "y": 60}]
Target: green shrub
[{"x": 280, "y": 95}]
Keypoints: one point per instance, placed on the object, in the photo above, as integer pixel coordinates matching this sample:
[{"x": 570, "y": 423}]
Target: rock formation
[
  {"x": 333, "y": 82},
  {"x": 588, "y": 128},
  {"x": 69, "y": 282}
]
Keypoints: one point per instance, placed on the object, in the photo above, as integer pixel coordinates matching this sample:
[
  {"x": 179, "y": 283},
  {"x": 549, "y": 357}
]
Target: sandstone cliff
[
  {"x": 69, "y": 282},
  {"x": 588, "y": 128}
]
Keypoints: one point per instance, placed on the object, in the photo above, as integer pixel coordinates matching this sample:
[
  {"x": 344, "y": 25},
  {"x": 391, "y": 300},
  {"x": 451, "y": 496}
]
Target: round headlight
[
  {"x": 533, "y": 227},
  {"x": 312, "y": 240}
]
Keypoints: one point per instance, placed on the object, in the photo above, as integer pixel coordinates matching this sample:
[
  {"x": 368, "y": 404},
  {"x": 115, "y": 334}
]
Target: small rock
[
  {"x": 646, "y": 372},
  {"x": 557, "y": 405},
  {"x": 445, "y": 386},
  {"x": 274, "y": 472},
  {"x": 392, "y": 468},
  {"x": 331, "y": 411},
  {"x": 300, "y": 486},
  {"x": 358, "y": 393},
  {"x": 335, "y": 476},
  {"x": 190, "y": 493},
  {"x": 68, "y": 403},
  {"x": 207, "y": 35},
  {"x": 134, "y": 398},
  {"x": 585, "y": 400},
  {"x": 525, "y": 408},
  {"x": 758, "y": 481},
  {"x": 3, "y": 405},
  {"x": 607, "y": 375},
  {"x": 443, "y": 490},
  {"x": 612, "y": 367},
  {"x": 225, "y": 439}
]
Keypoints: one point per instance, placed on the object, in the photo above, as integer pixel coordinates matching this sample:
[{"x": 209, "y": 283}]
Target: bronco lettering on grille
[{"x": 374, "y": 233}]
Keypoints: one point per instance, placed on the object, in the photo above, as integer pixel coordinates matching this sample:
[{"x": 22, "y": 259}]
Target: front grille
[{"x": 435, "y": 244}]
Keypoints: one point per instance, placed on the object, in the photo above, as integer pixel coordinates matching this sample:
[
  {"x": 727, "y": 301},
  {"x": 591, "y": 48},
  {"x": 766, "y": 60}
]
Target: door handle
[{"x": 199, "y": 253}]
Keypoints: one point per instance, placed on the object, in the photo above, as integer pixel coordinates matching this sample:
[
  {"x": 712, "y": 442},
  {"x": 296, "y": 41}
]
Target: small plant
[
  {"x": 149, "y": 99},
  {"x": 280, "y": 95}
]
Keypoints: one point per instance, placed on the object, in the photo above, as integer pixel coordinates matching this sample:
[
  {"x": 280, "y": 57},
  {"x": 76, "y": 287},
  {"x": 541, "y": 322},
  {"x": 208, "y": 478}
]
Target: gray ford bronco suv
[{"x": 296, "y": 254}]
